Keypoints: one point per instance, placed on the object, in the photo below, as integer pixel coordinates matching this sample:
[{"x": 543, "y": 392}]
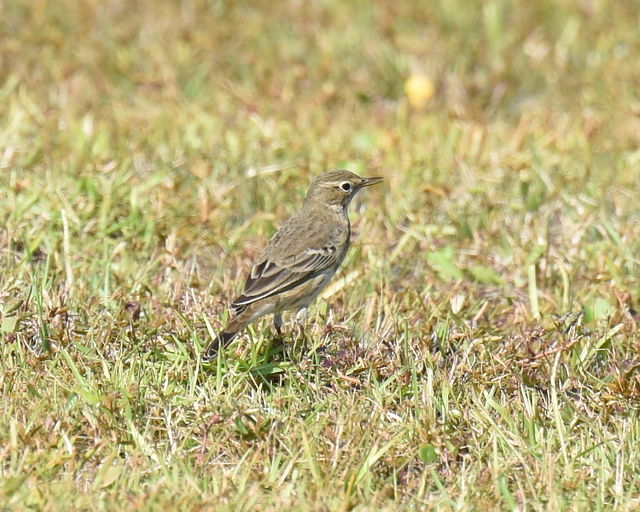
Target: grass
[{"x": 479, "y": 348}]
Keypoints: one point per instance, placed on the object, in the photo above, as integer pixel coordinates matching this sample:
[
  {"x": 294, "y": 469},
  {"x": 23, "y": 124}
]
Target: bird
[{"x": 300, "y": 259}]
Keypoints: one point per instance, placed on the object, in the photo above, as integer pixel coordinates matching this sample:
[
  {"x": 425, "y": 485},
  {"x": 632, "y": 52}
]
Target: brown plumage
[{"x": 300, "y": 259}]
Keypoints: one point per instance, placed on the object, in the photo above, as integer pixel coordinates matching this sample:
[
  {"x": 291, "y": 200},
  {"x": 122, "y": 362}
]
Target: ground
[{"x": 479, "y": 348}]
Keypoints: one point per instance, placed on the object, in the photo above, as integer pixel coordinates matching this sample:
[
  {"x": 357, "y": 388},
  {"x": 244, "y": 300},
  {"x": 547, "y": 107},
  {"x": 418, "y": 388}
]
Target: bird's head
[{"x": 336, "y": 188}]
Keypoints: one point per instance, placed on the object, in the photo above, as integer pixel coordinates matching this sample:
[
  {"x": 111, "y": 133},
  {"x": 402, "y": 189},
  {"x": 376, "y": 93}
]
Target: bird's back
[{"x": 307, "y": 229}]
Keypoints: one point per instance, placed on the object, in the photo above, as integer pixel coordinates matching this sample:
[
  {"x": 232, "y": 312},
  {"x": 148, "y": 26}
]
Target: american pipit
[{"x": 300, "y": 259}]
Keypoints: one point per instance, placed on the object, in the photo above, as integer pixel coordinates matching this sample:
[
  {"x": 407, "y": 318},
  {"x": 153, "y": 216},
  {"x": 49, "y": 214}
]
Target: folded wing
[{"x": 270, "y": 277}]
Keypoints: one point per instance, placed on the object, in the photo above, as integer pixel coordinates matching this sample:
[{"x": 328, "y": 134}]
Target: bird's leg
[
  {"x": 298, "y": 339},
  {"x": 276, "y": 343},
  {"x": 277, "y": 323},
  {"x": 301, "y": 320},
  {"x": 301, "y": 316}
]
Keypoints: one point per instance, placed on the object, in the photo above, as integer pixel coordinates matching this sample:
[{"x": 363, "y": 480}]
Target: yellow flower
[{"x": 419, "y": 89}]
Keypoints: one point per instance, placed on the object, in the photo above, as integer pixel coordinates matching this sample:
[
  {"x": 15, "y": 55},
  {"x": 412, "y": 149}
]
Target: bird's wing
[{"x": 281, "y": 267}]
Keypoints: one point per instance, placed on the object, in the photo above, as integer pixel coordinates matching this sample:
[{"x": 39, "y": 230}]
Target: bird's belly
[{"x": 301, "y": 296}]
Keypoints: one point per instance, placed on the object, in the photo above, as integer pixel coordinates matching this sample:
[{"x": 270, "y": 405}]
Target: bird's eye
[{"x": 346, "y": 186}]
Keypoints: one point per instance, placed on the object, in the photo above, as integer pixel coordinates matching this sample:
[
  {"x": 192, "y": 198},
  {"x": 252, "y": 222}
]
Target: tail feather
[
  {"x": 221, "y": 341},
  {"x": 239, "y": 321}
]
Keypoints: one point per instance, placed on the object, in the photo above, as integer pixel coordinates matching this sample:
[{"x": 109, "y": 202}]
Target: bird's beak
[{"x": 367, "y": 182}]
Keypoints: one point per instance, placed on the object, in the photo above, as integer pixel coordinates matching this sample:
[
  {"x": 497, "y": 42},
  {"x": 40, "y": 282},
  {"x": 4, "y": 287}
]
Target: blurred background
[
  {"x": 406, "y": 86},
  {"x": 148, "y": 120}
]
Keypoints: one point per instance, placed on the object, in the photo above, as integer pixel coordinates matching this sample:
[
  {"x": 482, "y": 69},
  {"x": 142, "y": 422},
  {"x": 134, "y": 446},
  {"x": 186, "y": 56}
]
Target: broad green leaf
[
  {"x": 599, "y": 309},
  {"x": 428, "y": 454},
  {"x": 241, "y": 427},
  {"x": 9, "y": 324},
  {"x": 442, "y": 262},
  {"x": 484, "y": 274}
]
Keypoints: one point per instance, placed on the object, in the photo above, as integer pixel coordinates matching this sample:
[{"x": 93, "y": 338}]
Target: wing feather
[{"x": 269, "y": 277}]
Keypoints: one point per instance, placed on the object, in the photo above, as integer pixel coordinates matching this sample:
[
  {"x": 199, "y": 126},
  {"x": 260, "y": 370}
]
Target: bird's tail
[
  {"x": 235, "y": 325},
  {"x": 221, "y": 341}
]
